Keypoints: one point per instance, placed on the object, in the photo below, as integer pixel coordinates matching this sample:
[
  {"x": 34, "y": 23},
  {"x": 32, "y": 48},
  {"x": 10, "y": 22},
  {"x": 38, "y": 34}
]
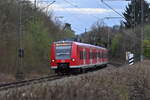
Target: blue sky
[{"x": 83, "y": 14}]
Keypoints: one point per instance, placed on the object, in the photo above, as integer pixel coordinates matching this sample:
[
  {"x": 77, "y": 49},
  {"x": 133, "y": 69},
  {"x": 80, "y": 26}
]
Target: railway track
[
  {"x": 29, "y": 82},
  {"x": 33, "y": 81}
]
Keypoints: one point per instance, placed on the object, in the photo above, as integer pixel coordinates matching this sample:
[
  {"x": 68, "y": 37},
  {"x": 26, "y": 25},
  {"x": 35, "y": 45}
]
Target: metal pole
[
  {"x": 20, "y": 35},
  {"x": 133, "y": 23},
  {"x": 85, "y": 31},
  {"x": 35, "y": 4},
  {"x": 134, "y": 14},
  {"x": 142, "y": 29},
  {"x": 19, "y": 74},
  {"x": 108, "y": 38}
]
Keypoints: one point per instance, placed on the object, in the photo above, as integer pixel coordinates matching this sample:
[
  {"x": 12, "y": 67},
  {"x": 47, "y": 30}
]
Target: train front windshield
[{"x": 63, "y": 52}]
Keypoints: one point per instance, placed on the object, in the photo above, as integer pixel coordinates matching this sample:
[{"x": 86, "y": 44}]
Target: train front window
[{"x": 63, "y": 52}]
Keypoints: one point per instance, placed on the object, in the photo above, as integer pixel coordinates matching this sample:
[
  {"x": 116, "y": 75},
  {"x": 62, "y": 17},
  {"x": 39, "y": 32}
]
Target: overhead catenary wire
[
  {"x": 121, "y": 16},
  {"x": 48, "y": 5},
  {"x": 112, "y": 9},
  {"x": 62, "y": 7},
  {"x": 70, "y": 3},
  {"x": 35, "y": 6},
  {"x": 76, "y": 17},
  {"x": 76, "y": 6}
]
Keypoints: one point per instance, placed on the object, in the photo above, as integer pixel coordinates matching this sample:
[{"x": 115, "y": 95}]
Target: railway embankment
[{"x": 110, "y": 83}]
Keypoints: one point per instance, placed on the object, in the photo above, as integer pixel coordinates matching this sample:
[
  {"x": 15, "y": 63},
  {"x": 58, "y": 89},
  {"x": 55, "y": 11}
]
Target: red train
[{"x": 68, "y": 56}]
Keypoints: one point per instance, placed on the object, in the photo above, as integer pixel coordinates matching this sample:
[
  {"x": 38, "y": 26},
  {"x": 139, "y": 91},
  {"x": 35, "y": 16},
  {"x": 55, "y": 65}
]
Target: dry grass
[
  {"x": 124, "y": 83},
  {"x": 5, "y": 78}
]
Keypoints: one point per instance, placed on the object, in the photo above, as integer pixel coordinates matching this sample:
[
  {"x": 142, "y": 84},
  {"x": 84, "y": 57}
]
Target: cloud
[
  {"x": 64, "y": 7},
  {"x": 83, "y": 10}
]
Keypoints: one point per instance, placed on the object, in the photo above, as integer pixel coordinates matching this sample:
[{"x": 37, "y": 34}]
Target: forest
[
  {"x": 22, "y": 26},
  {"x": 125, "y": 37}
]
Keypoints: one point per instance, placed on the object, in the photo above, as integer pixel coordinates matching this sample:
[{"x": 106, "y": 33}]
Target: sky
[{"x": 82, "y": 14}]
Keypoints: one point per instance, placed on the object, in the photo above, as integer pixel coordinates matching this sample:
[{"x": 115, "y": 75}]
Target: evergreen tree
[{"x": 132, "y": 13}]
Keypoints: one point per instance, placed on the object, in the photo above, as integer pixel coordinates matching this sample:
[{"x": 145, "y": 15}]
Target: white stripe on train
[{"x": 82, "y": 66}]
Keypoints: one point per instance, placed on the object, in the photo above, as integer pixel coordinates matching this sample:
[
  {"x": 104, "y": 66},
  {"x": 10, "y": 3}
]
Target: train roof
[{"x": 80, "y": 44}]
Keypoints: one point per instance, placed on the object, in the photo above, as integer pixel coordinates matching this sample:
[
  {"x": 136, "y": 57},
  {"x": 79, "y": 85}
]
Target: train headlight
[
  {"x": 53, "y": 60},
  {"x": 73, "y": 59}
]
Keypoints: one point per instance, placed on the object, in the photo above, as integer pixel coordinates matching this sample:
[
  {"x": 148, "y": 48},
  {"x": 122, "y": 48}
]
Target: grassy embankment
[{"x": 124, "y": 83}]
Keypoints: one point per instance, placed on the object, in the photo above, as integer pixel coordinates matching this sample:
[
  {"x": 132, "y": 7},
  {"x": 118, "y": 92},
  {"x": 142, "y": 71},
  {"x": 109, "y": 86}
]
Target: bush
[{"x": 147, "y": 48}]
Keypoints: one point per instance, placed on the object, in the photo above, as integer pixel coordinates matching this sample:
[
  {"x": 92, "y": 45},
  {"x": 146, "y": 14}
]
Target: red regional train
[{"x": 68, "y": 56}]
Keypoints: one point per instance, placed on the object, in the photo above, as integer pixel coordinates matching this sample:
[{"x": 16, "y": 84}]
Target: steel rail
[{"x": 29, "y": 82}]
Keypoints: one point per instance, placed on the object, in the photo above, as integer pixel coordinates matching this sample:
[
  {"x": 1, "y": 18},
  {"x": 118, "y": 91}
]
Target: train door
[
  {"x": 80, "y": 55},
  {"x": 101, "y": 56},
  {"x": 87, "y": 55},
  {"x": 90, "y": 56},
  {"x": 84, "y": 56},
  {"x": 97, "y": 56}
]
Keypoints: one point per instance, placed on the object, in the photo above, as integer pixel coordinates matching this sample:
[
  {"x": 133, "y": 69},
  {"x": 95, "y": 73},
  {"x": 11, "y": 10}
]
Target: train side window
[
  {"x": 94, "y": 55},
  {"x": 105, "y": 54},
  {"x": 81, "y": 54},
  {"x": 91, "y": 56},
  {"x": 84, "y": 55},
  {"x": 99, "y": 54},
  {"x": 102, "y": 54}
]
